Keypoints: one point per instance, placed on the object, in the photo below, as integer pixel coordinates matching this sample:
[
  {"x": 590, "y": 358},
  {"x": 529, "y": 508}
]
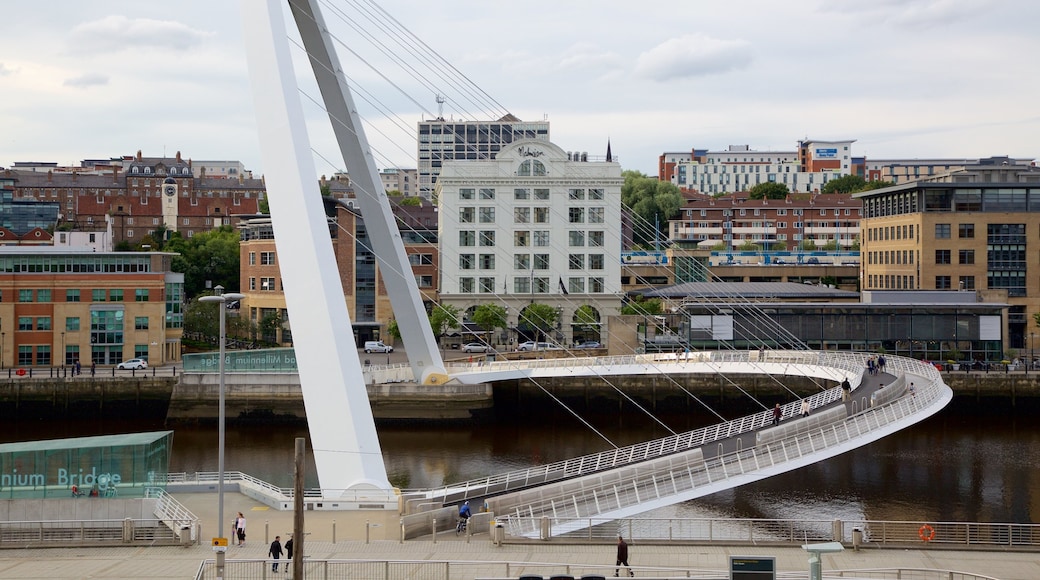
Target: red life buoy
[
  {"x": 926, "y": 533},
  {"x": 20, "y": 372}
]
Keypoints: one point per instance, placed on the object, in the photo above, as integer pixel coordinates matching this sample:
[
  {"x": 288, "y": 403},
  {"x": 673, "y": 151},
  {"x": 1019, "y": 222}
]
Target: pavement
[{"x": 341, "y": 535}]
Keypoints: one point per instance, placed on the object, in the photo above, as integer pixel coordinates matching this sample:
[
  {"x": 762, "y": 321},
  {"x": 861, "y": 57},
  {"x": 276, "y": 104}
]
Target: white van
[{"x": 377, "y": 346}]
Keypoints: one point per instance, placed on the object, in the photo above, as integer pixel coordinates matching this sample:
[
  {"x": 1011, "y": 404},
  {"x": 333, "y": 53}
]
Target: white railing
[
  {"x": 281, "y": 495},
  {"x": 171, "y": 513}
]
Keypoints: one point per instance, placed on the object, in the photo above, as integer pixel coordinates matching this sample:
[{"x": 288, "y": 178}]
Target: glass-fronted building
[{"x": 105, "y": 466}]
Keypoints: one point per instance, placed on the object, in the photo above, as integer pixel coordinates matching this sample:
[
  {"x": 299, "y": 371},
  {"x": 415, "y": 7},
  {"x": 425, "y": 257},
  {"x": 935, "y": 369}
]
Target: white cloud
[
  {"x": 86, "y": 80},
  {"x": 692, "y": 56},
  {"x": 118, "y": 33}
]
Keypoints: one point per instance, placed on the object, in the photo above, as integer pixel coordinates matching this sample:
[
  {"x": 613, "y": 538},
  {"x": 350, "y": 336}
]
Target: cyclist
[{"x": 464, "y": 515}]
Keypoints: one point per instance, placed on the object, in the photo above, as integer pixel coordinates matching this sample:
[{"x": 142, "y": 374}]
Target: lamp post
[
  {"x": 63, "y": 357},
  {"x": 1, "y": 350},
  {"x": 1031, "y": 357},
  {"x": 221, "y": 299}
]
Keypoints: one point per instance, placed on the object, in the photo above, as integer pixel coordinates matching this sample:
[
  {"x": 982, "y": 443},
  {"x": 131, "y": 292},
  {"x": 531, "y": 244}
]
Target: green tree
[
  {"x": 748, "y": 246},
  {"x": 807, "y": 244},
  {"x": 490, "y": 317},
  {"x": 650, "y": 199},
  {"x": 872, "y": 185},
  {"x": 844, "y": 184},
  {"x": 831, "y": 245},
  {"x": 393, "y": 329},
  {"x": 269, "y": 326},
  {"x": 264, "y": 206},
  {"x": 207, "y": 257},
  {"x": 643, "y": 306},
  {"x": 768, "y": 190},
  {"x": 540, "y": 317},
  {"x": 408, "y": 201},
  {"x": 443, "y": 318}
]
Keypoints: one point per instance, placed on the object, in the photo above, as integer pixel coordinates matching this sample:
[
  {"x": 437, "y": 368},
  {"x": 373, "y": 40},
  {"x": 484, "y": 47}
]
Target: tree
[
  {"x": 540, "y": 317},
  {"x": 844, "y": 184},
  {"x": 872, "y": 185},
  {"x": 643, "y": 307},
  {"x": 442, "y": 318},
  {"x": 651, "y": 200},
  {"x": 586, "y": 320},
  {"x": 748, "y": 246},
  {"x": 408, "y": 201},
  {"x": 768, "y": 190},
  {"x": 207, "y": 257},
  {"x": 269, "y": 326},
  {"x": 393, "y": 329},
  {"x": 490, "y": 317}
]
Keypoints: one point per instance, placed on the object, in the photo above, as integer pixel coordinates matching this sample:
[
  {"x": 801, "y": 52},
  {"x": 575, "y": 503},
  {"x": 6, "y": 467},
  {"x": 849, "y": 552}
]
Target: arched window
[{"x": 531, "y": 167}]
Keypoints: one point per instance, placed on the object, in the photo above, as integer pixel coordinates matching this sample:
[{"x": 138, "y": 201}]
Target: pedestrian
[
  {"x": 776, "y": 414},
  {"x": 805, "y": 407},
  {"x": 846, "y": 390},
  {"x": 870, "y": 366},
  {"x": 288, "y": 554},
  {"x": 240, "y": 529},
  {"x": 622, "y": 556},
  {"x": 913, "y": 391},
  {"x": 76, "y": 368},
  {"x": 275, "y": 552},
  {"x": 93, "y": 368},
  {"x": 881, "y": 363}
]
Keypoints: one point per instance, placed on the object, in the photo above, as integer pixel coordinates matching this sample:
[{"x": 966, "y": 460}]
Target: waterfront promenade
[{"x": 183, "y": 563}]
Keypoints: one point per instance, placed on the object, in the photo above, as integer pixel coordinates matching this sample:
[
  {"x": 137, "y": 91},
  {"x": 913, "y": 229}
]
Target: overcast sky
[{"x": 904, "y": 78}]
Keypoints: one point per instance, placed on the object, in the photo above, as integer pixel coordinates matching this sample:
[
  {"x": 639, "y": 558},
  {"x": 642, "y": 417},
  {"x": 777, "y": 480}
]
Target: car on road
[
  {"x": 474, "y": 347},
  {"x": 377, "y": 346},
  {"x": 132, "y": 364},
  {"x": 813, "y": 261},
  {"x": 532, "y": 345},
  {"x": 589, "y": 344}
]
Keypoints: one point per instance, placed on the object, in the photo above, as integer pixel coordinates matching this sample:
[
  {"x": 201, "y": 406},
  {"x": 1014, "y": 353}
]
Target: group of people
[
  {"x": 876, "y": 364},
  {"x": 275, "y": 552}
]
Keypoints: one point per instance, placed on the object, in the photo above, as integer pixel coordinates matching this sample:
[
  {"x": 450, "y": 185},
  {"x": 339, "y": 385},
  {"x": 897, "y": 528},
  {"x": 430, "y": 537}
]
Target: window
[
  {"x": 942, "y": 231},
  {"x": 576, "y": 215},
  {"x": 966, "y": 257},
  {"x": 541, "y": 215},
  {"x": 115, "y": 295},
  {"x": 487, "y": 215},
  {"x": 965, "y": 230},
  {"x": 25, "y": 355},
  {"x": 521, "y": 194},
  {"x": 487, "y": 193},
  {"x": 595, "y": 194},
  {"x": 97, "y": 295},
  {"x": 595, "y": 215},
  {"x": 541, "y": 285},
  {"x": 487, "y": 284},
  {"x": 596, "y": 285},
  {"x": 466, "y": 261},
  {"x": 466, "y": 285},
  {"x": 43, "y": 323},
  {"x": 72, "y": 296},
  {"x": 267, "y": 258},
  {"x": 252, "y": 283},
  {"x": 522, "y": 261},
  {"x": 71, "y": 354},
  {"x": 487, "y": 261},
  {"x": 942, "y": 256},
  {"x": 576, "y": 238},
  {"x": 576, "y": 262},
  {"x": 541, "y": 261},
  {"x": 521, "y": 285},
  {"x": 72, "y": 323},
  {"x": 575, "y": 194},
  {"x": 43, "y": 355},
  {"x": 576, "y": 285},
  {"x": 25, "y": 295},
  {"x": 424, "y": 281},
  {"x": 467, "y": 215},
  {"x": 43, "y": 295},
  {"x": 141, "y": 351},
  {"x": 467, "y": 238},
  {"x": 521, "y": 215},
  {"x": 420, "y": 259},
  {"x": 141, "y": 295},
  {"x": 522, "y": 238},
  {"x": 541, "y": 194},
  {"x": 967, "y": 282},
  {"x": 252, "y": 258},
  {"x": 541, "y": 238},
  {"x": 596, "y": 261},
  {"x": 267, "y": 284},
  {"x": 140, "y": 323},
  {"x": 467, "y": 193},
  {"x": 596, "y": 239},
  {"x": 487, "y": 238},
  {"x": 25, "y": 323},
  {"x": 942, "y": 282}
]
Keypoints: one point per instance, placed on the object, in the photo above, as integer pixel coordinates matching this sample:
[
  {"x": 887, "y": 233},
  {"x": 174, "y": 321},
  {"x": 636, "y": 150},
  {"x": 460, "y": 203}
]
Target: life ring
[
  {"x": 20, "y": 372},
  {"x": 926, "y": 533}
]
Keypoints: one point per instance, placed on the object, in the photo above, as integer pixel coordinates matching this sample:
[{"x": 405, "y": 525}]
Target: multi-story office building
[
  {"x": 441, "y": 141},
  {"x": 900, "y": 171},
  {"x": 140, "y": 196},
  {"x": 968, "y": 230},
  {"x": 62, "y": 305},
  {"x": 739, "y": 168},
  {"x": 533, "y": 225},
  {"x": 799, "y": 221},
  {"x": 367, "y": 301}
]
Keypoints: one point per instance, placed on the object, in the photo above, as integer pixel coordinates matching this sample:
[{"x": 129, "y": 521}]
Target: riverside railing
[{"x": 65, "y": 533}]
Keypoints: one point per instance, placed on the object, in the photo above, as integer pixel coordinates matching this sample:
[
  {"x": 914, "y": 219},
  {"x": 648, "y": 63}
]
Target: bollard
[
  {"x": 267, "y": 531},
  {"x": 857, "y": 538},
  {"x": 366, "y": 531},
  {"x": 433, "y": 529},
  {"x": 333, "y": 531}
]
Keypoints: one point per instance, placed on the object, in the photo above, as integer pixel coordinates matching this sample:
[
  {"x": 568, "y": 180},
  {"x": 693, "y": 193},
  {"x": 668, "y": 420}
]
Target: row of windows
[
  {"x": 40, "y": 355},
  {"x": 71, "y": 323},
  {"x": 73, "y": 295},
  {"x": 903, "y": 232},
  {"x": 530, "y": 261},
  {"x": 524, "y": 193},
  {"x": 532, "y": 285},
  {"x": 891, "y": 257},
  {"x": 266, "y": 258},
  {"x": 84, "y": 264},
  {"x": 266, "y": 284},
  {"x": 524, "y": 238}
]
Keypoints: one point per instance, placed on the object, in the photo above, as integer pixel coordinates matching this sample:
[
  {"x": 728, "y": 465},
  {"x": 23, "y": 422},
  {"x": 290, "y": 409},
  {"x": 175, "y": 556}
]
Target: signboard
[
  {"x": 828, "y": 153},
  {"x": 752, "y": 568}
]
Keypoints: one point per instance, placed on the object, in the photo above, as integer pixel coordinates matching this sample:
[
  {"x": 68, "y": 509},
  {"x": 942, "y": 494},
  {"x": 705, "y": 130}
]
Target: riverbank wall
[{"x": 277, "y": 396}]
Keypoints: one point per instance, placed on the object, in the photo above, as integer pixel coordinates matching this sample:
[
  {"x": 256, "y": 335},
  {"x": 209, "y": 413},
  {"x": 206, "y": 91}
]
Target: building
[
  {"x": 404, "y": 181},
  {"x": 25, "y": 221},
  {"x": 367, "y": 301},
  {"x": 733, "y": 222},
  {"x": 533, "y": 225},
  {"x": 59, "y": 305},
  {"x": 140, "y": 196},
  {"x": 739, "y": 168},
  {"x": 442, "y": 141},
  {"x": 973, "y": 230},
  {"x": 900, "y": 171}
]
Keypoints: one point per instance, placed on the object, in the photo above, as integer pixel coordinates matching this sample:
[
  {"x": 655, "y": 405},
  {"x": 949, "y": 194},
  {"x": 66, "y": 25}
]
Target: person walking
[
  {"x": 846, "y": 390},
  {"x": 93, "y": 368},
  {"x": 240, "y": 529},
  {"x": 275, "y": 552},
  {"x": 881, "y": 363},
  {"x": 288, "y": 554},
  {"x": 805, "y": 407},
  {"x": 622, "y": 556},
  {"x": 777, "y": 412}
]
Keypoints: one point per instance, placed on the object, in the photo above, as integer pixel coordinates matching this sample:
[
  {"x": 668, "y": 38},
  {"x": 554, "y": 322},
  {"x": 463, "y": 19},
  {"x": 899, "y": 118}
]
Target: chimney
[
  {"x": 178, "y": 157},
  {"x": 50, "y": 175},
  {"x": 138, "y": 154}
]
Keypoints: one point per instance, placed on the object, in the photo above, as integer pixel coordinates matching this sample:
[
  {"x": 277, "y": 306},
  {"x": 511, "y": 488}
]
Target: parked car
[
  {"x": 377, "y": 346},
  {"x": 474, "y": 347},
  {"x": 589, "y": 344},
  {"x": 532, "y": 345},
  {"x": 813, "y": 261},
  {"x": 132, "y": 364}
]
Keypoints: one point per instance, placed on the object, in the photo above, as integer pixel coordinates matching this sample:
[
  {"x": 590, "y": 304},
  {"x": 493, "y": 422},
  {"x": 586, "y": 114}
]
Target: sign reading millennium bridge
[{"x": 260, "y": 360}]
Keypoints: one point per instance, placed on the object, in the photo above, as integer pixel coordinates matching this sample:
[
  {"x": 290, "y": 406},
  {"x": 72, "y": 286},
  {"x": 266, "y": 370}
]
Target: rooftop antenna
[{"x": 440, "y": 107}]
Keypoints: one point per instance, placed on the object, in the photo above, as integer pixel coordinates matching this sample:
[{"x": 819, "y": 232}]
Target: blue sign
[{"x": 826, "y": 153}]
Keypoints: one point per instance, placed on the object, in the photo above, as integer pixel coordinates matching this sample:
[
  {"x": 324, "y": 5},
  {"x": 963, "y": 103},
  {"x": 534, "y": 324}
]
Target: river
[{"x": 965, "y": 464}]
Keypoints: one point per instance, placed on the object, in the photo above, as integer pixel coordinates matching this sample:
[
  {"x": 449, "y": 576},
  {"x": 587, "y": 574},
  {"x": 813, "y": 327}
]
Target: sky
[{"x": 904, "y": 78}]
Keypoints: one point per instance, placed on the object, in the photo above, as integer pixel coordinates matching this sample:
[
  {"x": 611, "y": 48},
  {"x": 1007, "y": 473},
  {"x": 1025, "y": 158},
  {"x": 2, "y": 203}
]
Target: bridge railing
[
  {"x": 499, "y": 483},
  {"x": 596, "y": 494}
]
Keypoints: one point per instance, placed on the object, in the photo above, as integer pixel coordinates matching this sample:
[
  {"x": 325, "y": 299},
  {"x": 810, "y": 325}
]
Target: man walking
[
  {"x": 275, "y": 552},
  {"x": 622, "y": 556},
  {"x": 288, "y": 554},
  {"x": 846, "y": 390}
]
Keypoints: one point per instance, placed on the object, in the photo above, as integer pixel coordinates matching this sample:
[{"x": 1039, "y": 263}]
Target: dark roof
[{"x": 749, "y": 291}]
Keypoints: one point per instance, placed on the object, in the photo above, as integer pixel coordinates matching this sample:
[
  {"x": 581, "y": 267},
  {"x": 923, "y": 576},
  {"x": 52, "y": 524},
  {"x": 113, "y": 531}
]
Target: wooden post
[{"x": 298, "y": 533}]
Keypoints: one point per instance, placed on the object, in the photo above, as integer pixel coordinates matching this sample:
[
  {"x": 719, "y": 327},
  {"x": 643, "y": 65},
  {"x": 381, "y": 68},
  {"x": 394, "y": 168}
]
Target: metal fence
[{"x": 89, "y": 532}]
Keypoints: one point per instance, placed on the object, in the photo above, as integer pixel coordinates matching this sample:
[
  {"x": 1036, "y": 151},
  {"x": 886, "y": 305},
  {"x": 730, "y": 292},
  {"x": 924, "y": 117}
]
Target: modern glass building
[{"x": 105, "y": 466}]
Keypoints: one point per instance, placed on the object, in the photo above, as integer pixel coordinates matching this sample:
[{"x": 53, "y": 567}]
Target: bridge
[{"x": 573, "y": 494}]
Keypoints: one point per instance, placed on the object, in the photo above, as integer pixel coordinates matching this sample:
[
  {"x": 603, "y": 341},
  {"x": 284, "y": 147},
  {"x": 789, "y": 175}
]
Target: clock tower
[{"x": 169, "y": 203}]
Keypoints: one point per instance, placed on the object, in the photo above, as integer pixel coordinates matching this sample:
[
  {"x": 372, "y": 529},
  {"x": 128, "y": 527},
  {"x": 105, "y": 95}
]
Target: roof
[
  {"x": 85, "y": 442},
  {"x": 728, "y": 291}
]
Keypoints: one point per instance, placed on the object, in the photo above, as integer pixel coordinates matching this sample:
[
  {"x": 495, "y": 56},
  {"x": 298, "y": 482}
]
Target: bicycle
[{"x": 461, "y": 526}]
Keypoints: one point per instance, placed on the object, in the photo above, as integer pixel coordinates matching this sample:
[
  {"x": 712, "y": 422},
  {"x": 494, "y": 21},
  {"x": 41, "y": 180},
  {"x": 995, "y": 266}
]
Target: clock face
[{"x": 170, "y": 190}]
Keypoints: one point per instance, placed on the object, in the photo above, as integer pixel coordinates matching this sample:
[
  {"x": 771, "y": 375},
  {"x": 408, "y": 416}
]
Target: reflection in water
[{"x": 957, "y": 466}]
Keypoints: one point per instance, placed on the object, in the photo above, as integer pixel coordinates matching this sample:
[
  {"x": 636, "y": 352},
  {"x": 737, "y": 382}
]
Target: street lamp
[
  {"x": 221, "y": 299},
  {"x": 63, "y": 357},
  {"x": 1031, "y": 356}
]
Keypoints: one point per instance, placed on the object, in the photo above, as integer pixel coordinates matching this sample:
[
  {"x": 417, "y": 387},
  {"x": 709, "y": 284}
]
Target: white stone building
[{"x": 533, "y": 225}]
